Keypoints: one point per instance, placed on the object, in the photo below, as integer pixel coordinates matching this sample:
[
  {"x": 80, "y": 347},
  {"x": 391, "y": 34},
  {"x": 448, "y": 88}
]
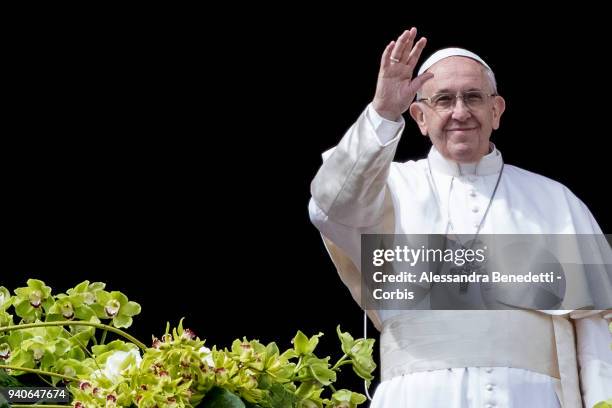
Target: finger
[
  {"x": 415, "y": 54},
  {"x": 400, "y": 46},
  {"x": 417, "y": 83},
  {"x": 404, "y": 42},
  {"x": 408, "y": 45},
  {"x": 385, "y": 61}
]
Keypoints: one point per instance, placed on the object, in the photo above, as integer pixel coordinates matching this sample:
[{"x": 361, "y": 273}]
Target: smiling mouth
[{"x": 460, "y": 129}]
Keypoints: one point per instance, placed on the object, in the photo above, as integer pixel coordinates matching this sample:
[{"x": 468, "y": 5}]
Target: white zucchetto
[{"x": 449, "y": 52}]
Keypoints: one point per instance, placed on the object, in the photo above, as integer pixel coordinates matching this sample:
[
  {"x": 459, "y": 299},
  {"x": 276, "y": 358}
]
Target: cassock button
[
  {"x": 489, "y": 406},
  {"x": 476, "y": 225},
  {"x": 489, "y": 370},
  {"x": 475, "y": 209},
  {"x": 472, "y": 193},
  {"x": 489, "y": 387}
]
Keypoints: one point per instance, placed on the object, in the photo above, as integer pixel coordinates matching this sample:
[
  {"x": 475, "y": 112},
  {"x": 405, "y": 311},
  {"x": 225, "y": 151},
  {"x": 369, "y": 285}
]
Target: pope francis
[{"x": 456, "y": 358}]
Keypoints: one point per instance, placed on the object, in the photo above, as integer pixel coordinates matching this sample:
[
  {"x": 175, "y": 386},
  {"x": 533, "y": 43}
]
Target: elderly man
[{"x": 462, "y": 187}]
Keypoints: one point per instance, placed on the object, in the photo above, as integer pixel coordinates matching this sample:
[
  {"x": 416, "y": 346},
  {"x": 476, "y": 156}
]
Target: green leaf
[
  {"x": 8, "y": 381},
  {"x": 246, "y": 404},
  {"x": 221, "y": 398},
  {"x": 281, "y": 398}
]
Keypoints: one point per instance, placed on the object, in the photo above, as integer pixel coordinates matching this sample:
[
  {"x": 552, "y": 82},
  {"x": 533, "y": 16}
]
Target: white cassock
[{"x": 359, "y": 190}]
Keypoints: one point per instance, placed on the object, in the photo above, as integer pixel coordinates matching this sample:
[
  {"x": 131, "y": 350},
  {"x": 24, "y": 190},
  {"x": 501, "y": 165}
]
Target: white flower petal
[
  {"x": 208, "y": 356},
  {"x": 112, "y": 369}
]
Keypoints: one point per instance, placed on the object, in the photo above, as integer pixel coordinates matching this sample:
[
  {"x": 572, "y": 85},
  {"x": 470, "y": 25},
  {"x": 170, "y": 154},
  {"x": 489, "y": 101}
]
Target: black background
[{"x": 169, "y": 153}]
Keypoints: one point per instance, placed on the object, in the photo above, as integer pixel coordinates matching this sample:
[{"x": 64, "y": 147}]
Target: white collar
[{"x": 489, "y": 164}]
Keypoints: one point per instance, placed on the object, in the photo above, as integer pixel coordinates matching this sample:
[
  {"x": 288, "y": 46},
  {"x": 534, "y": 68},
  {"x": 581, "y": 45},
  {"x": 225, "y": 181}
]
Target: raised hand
[{"x": 396, "y": 88}]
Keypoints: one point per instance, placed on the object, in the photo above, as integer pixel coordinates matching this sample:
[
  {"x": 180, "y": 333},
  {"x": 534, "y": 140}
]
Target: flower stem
[
  {"x": 41, "y": 372},
  {"x": 345, "y": 363},
  {"x": 298, "y": 366},
  {"x": 45, "y": 380},
  {"x": 103, "y": 339},
  {"x": 78, "y": 323},
  {"x": 75, "y": 338},
  {"x": 340, "y": 362}
]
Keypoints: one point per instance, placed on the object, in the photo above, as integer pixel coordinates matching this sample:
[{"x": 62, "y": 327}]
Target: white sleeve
[
  {"x": 350, "y": 194},
  {"x": 386, "y": 130},
  {"x": 594, "y": 355},
  {"x": 349, "y": 188}
]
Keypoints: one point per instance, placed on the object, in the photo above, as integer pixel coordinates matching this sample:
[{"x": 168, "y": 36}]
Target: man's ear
[
  {"x": 499, "y": 106},
  {"x": 416, "y": 111}
]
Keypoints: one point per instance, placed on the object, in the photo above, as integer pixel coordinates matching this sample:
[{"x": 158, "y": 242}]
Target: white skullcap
[{"x": 449, "y": 52}]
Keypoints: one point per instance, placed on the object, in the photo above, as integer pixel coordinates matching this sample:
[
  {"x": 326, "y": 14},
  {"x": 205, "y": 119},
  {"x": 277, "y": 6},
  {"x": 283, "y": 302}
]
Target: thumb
[{"x": 417, "y": 83}]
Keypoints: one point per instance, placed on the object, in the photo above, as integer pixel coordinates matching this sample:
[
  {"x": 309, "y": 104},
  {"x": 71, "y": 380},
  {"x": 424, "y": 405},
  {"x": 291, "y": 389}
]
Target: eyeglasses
[{"x": 443, "y": 102}]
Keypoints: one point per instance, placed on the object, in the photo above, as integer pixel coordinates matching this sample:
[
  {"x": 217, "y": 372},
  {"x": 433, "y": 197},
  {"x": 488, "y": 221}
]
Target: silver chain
[{"x": 449, "y": 224}]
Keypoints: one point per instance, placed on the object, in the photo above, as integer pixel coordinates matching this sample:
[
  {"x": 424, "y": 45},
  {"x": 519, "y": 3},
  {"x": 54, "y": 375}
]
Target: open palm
[{"x": 396, "y": 88}]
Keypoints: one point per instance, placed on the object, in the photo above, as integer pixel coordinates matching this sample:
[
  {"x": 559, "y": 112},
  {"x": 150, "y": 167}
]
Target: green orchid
[
  {"x": 278, "y": 366},
  {"x": 10, "y": 350},
  {"x": 346, "y": 399},
  {"x": 68, "y": 307},
  {"x": 93, "y": 394},
  {"x": 317, "y": 369},
  {"x": 45, "y": 350},
  {"x": 304, "y": 345},
  {"x": 33, "y": 300},
  {"x": 116, "y": 306},
  {"x": 225, "y": 367},
  {"x": 56, "y": 338},
  {"x": 360, "y": 353},
  {"x": 71, "y": 367},
  {"x": 103, "y": 351},
  {"x": 37, "y": 347},
  {"x": 178, "y": 363},
  {"x": 87, "y": 291}
]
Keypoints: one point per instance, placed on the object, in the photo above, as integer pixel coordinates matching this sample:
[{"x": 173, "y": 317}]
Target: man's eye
[
  {"x": 443, "y": 99},
  {"x": 476, "y": 97}
]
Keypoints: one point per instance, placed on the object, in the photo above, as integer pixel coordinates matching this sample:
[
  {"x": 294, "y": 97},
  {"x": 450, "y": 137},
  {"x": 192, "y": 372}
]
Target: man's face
[{"x": 459, "y": 133}]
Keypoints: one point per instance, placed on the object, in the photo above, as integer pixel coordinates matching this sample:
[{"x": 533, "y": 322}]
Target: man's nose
[{"x": 460, "y": 110}]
